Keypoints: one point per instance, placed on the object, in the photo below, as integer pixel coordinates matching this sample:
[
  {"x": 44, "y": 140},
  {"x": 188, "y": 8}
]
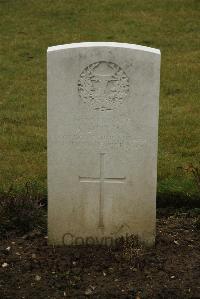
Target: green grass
[{"x": 29, "y": 27}]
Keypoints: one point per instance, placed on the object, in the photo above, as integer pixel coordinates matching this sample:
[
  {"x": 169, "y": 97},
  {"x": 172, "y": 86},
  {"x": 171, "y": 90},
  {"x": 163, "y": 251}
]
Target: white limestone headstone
[{"x": 103, "y": 103}]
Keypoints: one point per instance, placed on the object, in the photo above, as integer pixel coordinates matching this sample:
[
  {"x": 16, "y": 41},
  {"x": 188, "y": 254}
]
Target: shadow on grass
[
  {"x": 22, "y": 211},
  {"x": 177, "y": 200}
]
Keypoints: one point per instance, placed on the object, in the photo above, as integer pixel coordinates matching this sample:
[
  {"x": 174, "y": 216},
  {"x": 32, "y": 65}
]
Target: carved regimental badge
[{"x": 103, "y": 85}]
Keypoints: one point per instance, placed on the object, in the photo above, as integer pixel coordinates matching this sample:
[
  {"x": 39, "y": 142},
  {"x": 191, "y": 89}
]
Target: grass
[
  {"x": 21, "y": 212},
  {"x": 29, "y": 27}
]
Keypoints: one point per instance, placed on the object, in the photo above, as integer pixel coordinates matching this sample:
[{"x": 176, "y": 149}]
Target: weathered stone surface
[{"x": 103, "y": 102}]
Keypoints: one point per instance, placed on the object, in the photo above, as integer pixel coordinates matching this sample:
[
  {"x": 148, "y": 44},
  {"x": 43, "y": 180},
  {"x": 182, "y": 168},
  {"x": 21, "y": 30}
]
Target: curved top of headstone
[{"x": 103, "y": 44}]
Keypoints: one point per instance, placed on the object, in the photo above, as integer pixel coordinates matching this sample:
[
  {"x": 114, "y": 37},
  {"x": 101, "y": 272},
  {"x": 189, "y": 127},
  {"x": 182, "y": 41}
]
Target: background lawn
[{"x": 29, "y": 27}]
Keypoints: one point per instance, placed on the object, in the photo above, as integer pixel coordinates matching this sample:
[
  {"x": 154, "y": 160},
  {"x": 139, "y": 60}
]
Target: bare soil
[{"x": 30, "y": 268}]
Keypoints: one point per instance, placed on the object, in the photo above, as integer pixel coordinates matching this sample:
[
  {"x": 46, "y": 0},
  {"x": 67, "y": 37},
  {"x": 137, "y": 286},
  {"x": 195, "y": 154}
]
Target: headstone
[{"x": 103, "y": 103}]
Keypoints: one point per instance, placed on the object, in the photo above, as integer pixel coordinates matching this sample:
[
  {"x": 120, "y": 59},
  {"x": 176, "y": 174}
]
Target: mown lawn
[{"x": 29, "y": 27}]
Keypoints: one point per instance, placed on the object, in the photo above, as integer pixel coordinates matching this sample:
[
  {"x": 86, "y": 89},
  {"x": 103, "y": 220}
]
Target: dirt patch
[{"x": 29, "y": 268}]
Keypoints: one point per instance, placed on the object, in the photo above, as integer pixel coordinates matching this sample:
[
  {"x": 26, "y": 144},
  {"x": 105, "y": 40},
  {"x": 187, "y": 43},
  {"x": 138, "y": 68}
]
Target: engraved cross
[{"x": 101, "y": 180}]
